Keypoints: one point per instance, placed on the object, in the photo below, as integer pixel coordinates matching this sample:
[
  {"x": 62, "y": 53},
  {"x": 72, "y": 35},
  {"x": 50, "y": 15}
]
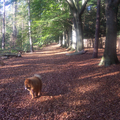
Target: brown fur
[{"x": 34, "y": 85}]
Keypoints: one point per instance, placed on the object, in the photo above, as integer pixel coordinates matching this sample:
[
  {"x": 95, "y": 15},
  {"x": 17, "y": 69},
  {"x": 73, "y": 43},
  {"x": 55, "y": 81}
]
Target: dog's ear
[
  {"x": 30, "y": 82},
  {"x": 27, "y": 81}
]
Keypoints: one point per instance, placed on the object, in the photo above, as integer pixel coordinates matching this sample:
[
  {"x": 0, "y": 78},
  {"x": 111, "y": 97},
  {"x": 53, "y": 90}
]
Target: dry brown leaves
[{"x": 74, "y": 87}]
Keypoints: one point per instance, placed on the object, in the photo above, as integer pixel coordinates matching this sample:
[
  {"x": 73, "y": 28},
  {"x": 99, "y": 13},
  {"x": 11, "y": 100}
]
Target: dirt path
[{"x": 74, "y": 87}]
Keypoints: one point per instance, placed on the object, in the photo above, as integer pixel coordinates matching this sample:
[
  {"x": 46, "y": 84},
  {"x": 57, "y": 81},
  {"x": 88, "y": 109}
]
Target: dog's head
[{"x": 27, "y": 84}]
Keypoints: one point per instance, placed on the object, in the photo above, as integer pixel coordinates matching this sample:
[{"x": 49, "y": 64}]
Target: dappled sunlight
[
  {"x": 90, "y": 75},
  {"x": 60, "y": 53},
  {"x": 118, "y": 92},
  {"x": 12, "y": 66},
  {"x": 6, "y": 81},
  {"x": 79, "y": 103},
  {"x": 87, "y": 63},
  {"x": 108, "y": 74},
  {"x": 1, "y": 89},
  {"x": 47, "y": 71},
  {"x": 87, "y": 88},
  {"x": 99, "y": 75},
  {"x": 49, "y": 53},
  {"x": 54, "y": 46}
]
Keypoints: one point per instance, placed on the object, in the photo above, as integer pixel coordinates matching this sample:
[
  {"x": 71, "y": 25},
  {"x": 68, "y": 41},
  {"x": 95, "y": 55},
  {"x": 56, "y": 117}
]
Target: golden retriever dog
[{"x": 34, "y": 85}]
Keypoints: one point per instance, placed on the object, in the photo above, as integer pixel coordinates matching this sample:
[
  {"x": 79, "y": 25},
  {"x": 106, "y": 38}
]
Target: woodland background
[{"x": 37, "y": 22}]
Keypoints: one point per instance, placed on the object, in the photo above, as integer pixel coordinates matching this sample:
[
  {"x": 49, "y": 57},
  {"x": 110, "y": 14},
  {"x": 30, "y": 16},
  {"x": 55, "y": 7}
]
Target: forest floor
[{"x": 74, "y": 87}]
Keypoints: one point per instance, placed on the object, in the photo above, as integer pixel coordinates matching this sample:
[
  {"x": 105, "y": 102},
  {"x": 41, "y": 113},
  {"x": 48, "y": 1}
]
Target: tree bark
[
  {"x": 110, "y": 55},
  {"x": 95, "y": 52},
  {"x": 29, "y": 24},
  {"x": 14, "y": 36},
  {"x": 67, "y": 39},
  {"x": 79, "y": 33},
  {"x": 3, "y": 28},
  {"x": 77, "y": 13}
]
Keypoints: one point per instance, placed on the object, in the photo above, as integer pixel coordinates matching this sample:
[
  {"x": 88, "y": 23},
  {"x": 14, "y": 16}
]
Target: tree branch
[
  {"x": 83, "y": 8},
  {"x": 70, "y": 3},
  {"x": 77, "y": 1}
]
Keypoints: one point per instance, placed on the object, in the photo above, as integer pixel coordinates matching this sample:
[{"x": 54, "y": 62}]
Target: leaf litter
[{"x": 74, "y": 87}]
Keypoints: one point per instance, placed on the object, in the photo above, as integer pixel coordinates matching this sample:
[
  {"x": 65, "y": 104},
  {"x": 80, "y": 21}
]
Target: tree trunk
[
  {"x": 29, "y": 24},
  {"x": 79, "y": 34},
  {"x": 77, "y": 13},
  {"x": 22, "y": 33},
  {"x": 110, "y": 55},
  {"x": 95, "y": 52},
  {"x": 3, "y": 29},
  {"x": 14, "y": 38},
  {"x": 67, "y": 39},
  {"x": 70, "y": 36}
]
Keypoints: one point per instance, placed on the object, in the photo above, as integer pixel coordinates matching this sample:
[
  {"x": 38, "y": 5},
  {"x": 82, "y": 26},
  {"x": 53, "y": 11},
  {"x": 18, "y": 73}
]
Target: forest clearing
[{"x": 74, "y": 87}]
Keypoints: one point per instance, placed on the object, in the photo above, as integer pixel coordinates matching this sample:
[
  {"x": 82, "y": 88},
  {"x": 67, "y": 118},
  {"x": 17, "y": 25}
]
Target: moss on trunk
[
  {"x": 110, "y": 55},
  {"x": 107, "y": 61}
]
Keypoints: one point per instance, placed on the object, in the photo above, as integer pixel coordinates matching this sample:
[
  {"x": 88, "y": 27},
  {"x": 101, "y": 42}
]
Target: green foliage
[
  {"x": 49, "y": 18},
  {"x": 89, "y": 19}
]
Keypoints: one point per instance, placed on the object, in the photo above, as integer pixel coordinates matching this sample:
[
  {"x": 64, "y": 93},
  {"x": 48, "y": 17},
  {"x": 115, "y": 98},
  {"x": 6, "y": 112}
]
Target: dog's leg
[
  {"x": 40, "y": 93},
  {"x": 31, "y": 92},
  {"x": 37, "y": 94}
]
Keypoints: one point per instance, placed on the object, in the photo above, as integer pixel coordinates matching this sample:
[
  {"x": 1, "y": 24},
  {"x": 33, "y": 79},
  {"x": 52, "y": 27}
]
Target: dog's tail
[{"x": 37, "y": 75}]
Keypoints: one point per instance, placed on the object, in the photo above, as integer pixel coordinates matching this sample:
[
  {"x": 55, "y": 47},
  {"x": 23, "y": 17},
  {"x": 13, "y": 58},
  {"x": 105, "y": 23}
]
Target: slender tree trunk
[
  {"x": 14, "y": 23},
  {"x": 70, "y": 36},
  {"x": 63, "y": 41},
  {"x": 59, "y": 40},
  {"x": 3, "y": 28},
  {"x": 22, "y": 33},
  {"x": 95, "y": 52},
  {"x": 29, "y": 24},
  {"x": 67, "y": 39},
  {"x": 110, "y": 55}
]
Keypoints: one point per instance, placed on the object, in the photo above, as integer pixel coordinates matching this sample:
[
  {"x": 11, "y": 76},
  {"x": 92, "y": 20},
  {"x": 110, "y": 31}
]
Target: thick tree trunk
[
  {"x": 77, "y": 13},
  {"x": 110, "y": 55},
  {"x": 95, "y": 52},
  {"x": 79, "y": 32},
  {"x": 79, "y": 37}
]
